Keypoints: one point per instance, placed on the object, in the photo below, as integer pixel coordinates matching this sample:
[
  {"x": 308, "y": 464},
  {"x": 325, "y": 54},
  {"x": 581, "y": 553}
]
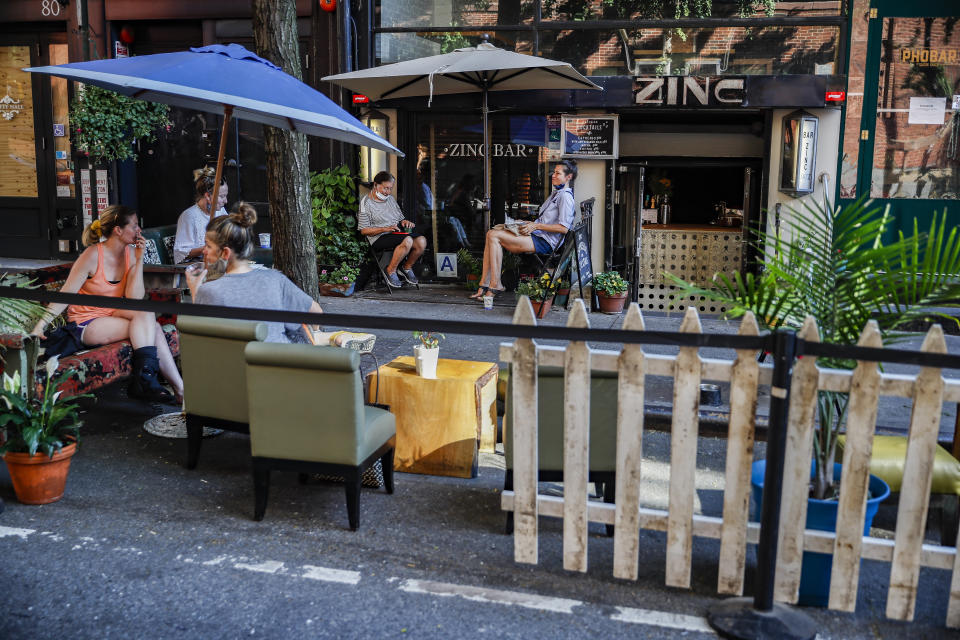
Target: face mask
[
  {"x": 380, "y": 196},
  {"x": 216, "y": 269}
]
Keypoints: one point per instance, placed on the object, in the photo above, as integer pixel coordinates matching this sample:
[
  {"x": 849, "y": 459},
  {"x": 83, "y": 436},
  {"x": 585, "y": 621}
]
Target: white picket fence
[{"x": 906, "y": 553}]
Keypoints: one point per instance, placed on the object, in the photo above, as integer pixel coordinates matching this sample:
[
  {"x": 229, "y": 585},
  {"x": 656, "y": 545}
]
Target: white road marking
[
  {"x": 663, "y": 619},
  {"x": 270, "y": 566},
  {"x": 13, "y": 531},
  {"x": 330, "y": 575},
  {"x": 551, "y": 604},
  {"x": 484, "y": 594}
]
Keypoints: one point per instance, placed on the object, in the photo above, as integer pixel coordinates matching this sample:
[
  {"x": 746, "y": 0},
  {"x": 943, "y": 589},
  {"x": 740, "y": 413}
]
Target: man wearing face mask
[{"x": 383, "y": 225}]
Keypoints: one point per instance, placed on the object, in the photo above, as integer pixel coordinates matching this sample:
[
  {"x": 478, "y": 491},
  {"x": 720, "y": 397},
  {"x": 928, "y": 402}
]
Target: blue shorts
[{"x": 541, "y": 246}]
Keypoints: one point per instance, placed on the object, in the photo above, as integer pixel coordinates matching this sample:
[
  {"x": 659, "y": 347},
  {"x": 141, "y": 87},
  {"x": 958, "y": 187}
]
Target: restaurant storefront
[
  {"x": 47, "y": 187},
  {"x": 685, "y": 140}
]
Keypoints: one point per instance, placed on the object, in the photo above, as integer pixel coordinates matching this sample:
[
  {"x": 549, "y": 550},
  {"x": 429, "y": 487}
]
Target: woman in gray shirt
[
  {"x": 385, "y": 228},
  {"x": 228, "y": 245}
]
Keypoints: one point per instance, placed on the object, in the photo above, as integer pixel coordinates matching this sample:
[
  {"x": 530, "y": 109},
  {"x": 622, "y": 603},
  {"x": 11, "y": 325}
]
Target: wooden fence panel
[
  {"x": 736, "y": 491},
  {"x": 683, "y": 457},
  {"x": 525, "y": 459},
  {"x": 917, "y": 476},
  {"x": 576, "y": 444},
  {"x": 796, "y": 470},
  {"x": 630, "y": 399},
  {"x": 953, "y": 606},
  {"x": 855, "y": 479}
]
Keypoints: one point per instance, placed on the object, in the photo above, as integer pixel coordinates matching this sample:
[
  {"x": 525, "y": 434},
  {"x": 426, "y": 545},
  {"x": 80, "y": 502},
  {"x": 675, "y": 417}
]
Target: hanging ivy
[{"x": 106, "y": 124}]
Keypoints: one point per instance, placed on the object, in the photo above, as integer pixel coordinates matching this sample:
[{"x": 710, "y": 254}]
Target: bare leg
[
  {"x": 497, "y": 241},
  {"x": 419, "y": 245},
  {"x": 398, "y": 254},
  {"x": 167, "y": 365}
]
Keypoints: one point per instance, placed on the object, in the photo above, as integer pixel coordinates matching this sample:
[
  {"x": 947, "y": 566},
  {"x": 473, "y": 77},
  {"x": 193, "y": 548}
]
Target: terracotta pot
[
  {"x": 540, "y": 309},
  {"x": 472, "y": 277},
  {"x": 336, "y": 290},
  {"x": 561, "y": 297},
  {"x": 38, "y": 479},
  {"x": 611, "y": 304}
]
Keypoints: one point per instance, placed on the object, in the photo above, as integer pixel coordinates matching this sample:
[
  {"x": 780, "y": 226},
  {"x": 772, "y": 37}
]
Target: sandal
[{"x": 482, "y": 291}]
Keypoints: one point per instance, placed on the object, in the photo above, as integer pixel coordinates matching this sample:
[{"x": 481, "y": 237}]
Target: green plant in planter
[
  {"x": 836, "y": 268},
  {"x": 106, "y": 124},
  {"x": 333, "y": 198},
  {"x": 343, "y": 275},
  {"x": 19, "y": 316},
  {"x": 469, "y": 262},
  {"x": 537, "y": 289},
  {"x": 610, "y": 283},
  {"x": 429, "y": 339},
  {"x": 46, "y": 423}
]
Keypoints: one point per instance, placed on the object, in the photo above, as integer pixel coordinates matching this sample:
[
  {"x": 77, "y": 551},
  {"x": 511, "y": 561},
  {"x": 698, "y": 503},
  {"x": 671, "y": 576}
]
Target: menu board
[{"x": 590, "y": 136}]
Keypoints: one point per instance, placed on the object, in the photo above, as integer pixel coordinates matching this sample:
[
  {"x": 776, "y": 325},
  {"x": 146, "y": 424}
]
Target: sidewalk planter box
[{"x": 821, "y": 516}]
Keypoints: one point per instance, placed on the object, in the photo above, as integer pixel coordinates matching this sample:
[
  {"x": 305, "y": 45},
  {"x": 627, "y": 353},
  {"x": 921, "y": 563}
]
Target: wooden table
[{"x": 440, "y": 422}]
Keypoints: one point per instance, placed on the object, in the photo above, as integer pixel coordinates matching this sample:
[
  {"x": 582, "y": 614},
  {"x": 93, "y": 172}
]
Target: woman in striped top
[{"x": 385, "y": 228}]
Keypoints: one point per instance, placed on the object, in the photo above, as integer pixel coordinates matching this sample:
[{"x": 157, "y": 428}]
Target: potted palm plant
[
  {"x": 611, "y": 291},
  {"x": 39, "y": 436},
  {"x": 470, "y": 265},
  {"x": 837, "y": 267},
  {"x": 427, "y": 352}
]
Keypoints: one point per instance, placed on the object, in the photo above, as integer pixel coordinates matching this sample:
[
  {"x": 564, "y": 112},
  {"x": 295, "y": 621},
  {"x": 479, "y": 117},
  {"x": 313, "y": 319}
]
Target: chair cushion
[
  {"x": 378, "y": 427},
  {"x": 603, "y": 421},
  {"x": 890, "y": 454}
]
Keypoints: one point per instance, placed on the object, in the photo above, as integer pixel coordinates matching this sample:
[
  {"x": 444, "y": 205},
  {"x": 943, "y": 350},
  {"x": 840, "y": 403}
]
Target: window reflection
[{"x": 917, "y": 139}]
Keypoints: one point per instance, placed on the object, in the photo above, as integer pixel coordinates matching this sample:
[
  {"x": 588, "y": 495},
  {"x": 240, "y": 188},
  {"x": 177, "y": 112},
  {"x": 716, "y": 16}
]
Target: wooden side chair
[
  {"x": 214, "y": 375},
  {"x": 307, "y": 415}
]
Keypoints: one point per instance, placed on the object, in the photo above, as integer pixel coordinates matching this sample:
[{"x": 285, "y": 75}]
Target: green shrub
[{"x": 334, "y": 206}]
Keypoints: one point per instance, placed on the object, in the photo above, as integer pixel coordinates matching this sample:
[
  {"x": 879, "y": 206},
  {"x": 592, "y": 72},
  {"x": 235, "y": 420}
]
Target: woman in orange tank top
[{"x": 112, "y": 265}]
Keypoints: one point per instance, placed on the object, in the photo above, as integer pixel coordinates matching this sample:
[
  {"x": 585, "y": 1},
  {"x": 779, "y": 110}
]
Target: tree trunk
[{"x": 288, "y": 171}]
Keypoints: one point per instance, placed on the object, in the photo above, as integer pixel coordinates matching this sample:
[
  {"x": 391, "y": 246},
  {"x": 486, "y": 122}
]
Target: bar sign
[
  {"x": 359, "y": 98},
  {"x": 835, "y": 96}
]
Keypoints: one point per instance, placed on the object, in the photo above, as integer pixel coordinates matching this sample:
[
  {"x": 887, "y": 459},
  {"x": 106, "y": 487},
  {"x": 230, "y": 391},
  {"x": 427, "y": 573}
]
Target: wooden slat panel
[
  {"x": 525, "y": 455},
  {"x": 796, "y": 470},
  {"x": 915, "y": 491},
  {"x": 576, "y": 444},
  {"x": 683, "y": 457},
  {"x": 953, "y": 607},
  {"x": 854, "y": 481},
  {"x": 630, "y": 399},
  {"x": 736, "y": 492},
  {"x": 879, "y": 549}
]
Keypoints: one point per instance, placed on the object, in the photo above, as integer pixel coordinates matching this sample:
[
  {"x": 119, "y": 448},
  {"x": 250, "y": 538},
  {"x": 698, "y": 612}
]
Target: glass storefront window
[
  {"x": 18, "y": 154},
  {"x": 917, "y": 139},
  {"x": 716, "y": 51},
  {"x": 449, "y": 178},
  {"x": 63, "y": 162},
  {"x": 462, "y": 13}
]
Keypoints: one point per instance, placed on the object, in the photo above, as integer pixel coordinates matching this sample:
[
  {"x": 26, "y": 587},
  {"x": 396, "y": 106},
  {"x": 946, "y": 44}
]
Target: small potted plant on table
[
  {"x": 339, "y": 282},
  {"x": 540, "y": 291},
  {"x": 39, "y": 436},
  {"x": 427, "y": 352},
  {"x": 611, "y": 291}
]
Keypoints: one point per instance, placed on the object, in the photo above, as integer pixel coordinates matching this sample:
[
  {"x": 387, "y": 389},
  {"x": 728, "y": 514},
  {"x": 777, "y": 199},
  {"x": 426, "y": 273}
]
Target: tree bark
[{"x": 288, "y": 170}]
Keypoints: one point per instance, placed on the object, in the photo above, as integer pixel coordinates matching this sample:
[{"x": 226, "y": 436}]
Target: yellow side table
[{"x": 440, "y": 422}]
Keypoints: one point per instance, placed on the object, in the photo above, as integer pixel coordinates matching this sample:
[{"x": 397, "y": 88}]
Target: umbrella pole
[
  {"x": 486, "y": 164},
  {"x": 227, "y": 112}
]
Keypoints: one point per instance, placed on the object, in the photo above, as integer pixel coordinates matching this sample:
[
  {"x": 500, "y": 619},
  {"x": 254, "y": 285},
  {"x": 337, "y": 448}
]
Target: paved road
[{"x": 142, "y": 548}]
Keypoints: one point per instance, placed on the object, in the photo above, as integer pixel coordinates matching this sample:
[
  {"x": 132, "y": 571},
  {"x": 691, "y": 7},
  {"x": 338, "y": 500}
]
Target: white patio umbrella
[{"x": 483, "y": 68}]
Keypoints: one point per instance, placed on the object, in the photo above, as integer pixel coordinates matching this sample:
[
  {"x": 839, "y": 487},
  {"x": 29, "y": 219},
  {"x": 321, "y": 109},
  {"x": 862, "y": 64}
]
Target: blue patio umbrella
[{"x": 227, "y": 80}]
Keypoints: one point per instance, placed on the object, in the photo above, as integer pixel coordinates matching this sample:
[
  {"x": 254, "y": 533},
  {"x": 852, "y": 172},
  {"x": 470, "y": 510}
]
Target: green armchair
[
  {"x": 214, "y": 375},
  {"x": 603, "y": 432},
  {"x": 307, "y": 415}
]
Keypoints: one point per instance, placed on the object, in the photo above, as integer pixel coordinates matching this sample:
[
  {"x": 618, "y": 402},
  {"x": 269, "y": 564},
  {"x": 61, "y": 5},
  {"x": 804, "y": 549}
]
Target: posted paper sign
[
  {"x": 87, "y": 198},
  {"x": 956, "y": 103},
  {"x": 927, "y": 110},
  {"x": 101, "y": 190},
  {"x": 447, "y": 265}
]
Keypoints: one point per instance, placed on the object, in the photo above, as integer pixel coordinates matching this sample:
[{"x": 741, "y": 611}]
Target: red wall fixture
[
  {"x": 126, "y": 34},
  {"x": 328, "y": 5}
]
